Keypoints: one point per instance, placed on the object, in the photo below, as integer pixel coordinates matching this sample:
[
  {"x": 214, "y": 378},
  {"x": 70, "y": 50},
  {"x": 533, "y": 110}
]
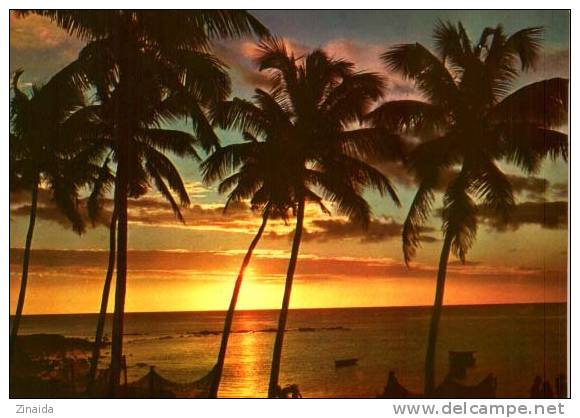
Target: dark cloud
[
  {"x": 157, "y": 212},
  {"x": 45, "y": 213},
  {"x": 379, "y": 230},
  {"x": 534, "y": 188},
  {"x": 146, "y": 210},
  {"x": 165, "y": 264},
  {"x": 213, "y": 261},
  {"x": 529, "y": 187},
  {"x": 552, "y": 215}
]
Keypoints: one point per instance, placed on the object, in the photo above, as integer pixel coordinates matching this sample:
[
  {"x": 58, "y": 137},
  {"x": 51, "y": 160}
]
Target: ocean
[{"x": 514, "y": 342}]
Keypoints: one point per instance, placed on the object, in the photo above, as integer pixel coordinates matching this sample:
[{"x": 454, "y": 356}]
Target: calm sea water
[{"x": 515, "y": 342}]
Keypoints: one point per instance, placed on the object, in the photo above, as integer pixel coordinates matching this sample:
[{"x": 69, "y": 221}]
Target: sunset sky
[{"x": 192, "y": 267}]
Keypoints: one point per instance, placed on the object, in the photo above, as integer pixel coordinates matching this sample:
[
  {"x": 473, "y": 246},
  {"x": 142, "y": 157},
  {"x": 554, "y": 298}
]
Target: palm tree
[
  {"x": 130, "y": 46},
  {"x": 149, "y": 165},
  {"x": 44, "y": 152},
  {"x": 307, "y": 113},
  {"x": 253, "y": 170},
  {"x": 471, "y": 118}
]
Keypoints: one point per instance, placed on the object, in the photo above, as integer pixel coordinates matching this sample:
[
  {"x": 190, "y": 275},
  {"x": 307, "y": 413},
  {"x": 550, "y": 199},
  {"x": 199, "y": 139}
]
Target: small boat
[{"x": 345, "y": 362}]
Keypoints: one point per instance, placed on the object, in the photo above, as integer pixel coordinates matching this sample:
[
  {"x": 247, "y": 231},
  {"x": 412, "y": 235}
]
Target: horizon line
[{"x": 458, "y": 305}]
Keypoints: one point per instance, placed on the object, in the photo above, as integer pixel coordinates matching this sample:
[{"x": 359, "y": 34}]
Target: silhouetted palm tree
[
  {"x": 313, "y": 101},
  {"x": 149, "y": 165},
  {"x": 131, "y": 46},
  {"x": 470, "y": 119},
  {"x": 46, "y": 126},
  {"x": 254, "y": 170}
]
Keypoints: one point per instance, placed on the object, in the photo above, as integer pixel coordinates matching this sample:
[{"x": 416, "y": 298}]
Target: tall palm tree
[
  {"x": 254, "y": 170},
  {"x": 46, "y": 126},
  {"x": 149, "y": 166},
  {"x": 471, "y": 119},
  {"x": 313, "y": 102},
  {"x": 133, "y": 45}
]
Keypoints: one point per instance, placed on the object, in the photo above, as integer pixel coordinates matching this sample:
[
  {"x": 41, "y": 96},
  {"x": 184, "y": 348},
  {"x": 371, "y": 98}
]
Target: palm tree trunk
[
  {"x": 25, "y": 264},
  {"x": 436, "y": 316},
  {"x": 121, "y": 280},
  {"x": 124, "y": 138},
  {"x": 127, "y": 98},
  {"x": 277, "y": 355},
  {"x": 104, "y": 303},
  {"x": 218, "y": 369}
]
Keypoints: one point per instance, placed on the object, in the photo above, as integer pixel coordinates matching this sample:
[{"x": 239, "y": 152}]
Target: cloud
[
  {"x": 198, "y": 265},
  {"x": 551, "y": 215},
  {"x": 39, "y": 47},
  {"x": 240, "y": 65},
  {"x": 560, "y": 190},
  {"x": 366, "y": 56},
  {"x": 239, "y": 55},
  {"x": 149, "y": 210},
  {"x": 533, "y": 188},
  {"x": 552, "y": 62},
  {"x": 379, "y": 229}
]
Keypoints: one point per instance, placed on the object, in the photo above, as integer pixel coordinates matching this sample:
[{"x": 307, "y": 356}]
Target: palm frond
[
  {"x": 526, "y": 145},
  {"x": 459, "y": 216},
  {"x": 65, "y": 196},
  {"x": 428, "y": 160},
  {"x": 418, "y": 214},
  {"x": 164, "y": 190},
  {"x": 347, "y": 199},
  {"x": 204, "y": 76},
  {"x": 415, "y": 62},
  {"x": 526, "y": 45},
  {"x": 241, "y": 115},
  {"x": 202, "y": 128},
  {"x": 371, "y": 144},
  {"x": 544, "y": 103},
  {"x": 273, "y": 56},
  {"x": 100, "y": 187},
  {"x": 452, "y": 44},
  {"x": 164, "y": 169},
  {"x": 228, "y": 23},
  {"x": 409, "y": 116},
  {"x": 169, "y": 140},
  {"x": 493, "y": 189},
  {"x": 351, "y": 99},
  {"x": 225, "y": 160},
  {"x": 245, "y": 188},
  {"x": 81, "y": 23},
  {"x": 360, "y": 175}
]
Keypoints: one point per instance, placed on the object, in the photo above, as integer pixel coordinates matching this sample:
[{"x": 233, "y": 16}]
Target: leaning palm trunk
[
  {"x": 277, "y": 355},
  {"x": 436, "y": 316},
  {"x": 104, "y": 303},
  {"x": 25, "y": 263},
  {"x": 121, "y": 281},
  {"x": 218, "y": 370}
]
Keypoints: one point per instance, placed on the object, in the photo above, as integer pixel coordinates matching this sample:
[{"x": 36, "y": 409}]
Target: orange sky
[{"x": 193, "y": 266}]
